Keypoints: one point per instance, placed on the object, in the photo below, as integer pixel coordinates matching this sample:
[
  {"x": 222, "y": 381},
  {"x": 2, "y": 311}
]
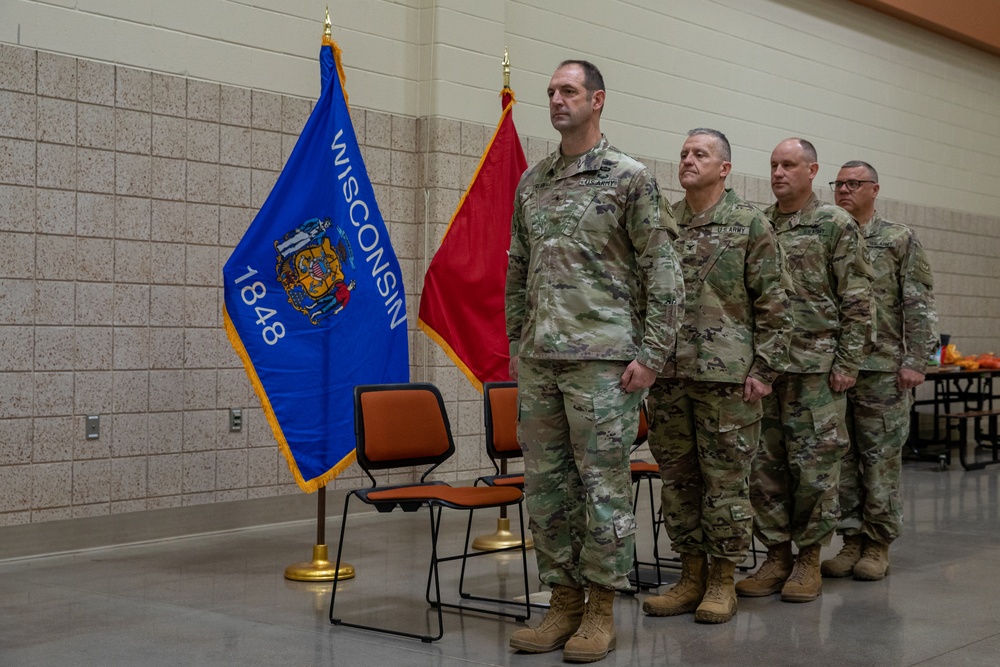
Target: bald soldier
[
  {"x": 796, "y": 471},
  {"x": 878, "y": 405}
]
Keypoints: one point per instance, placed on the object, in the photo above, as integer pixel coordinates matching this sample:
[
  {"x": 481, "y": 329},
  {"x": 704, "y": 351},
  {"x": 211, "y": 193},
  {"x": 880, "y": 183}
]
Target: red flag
[{"x": 462, "y": 305}]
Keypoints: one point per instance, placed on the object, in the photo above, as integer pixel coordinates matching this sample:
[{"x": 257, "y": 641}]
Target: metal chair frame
[{"x": 434, "y": 495}]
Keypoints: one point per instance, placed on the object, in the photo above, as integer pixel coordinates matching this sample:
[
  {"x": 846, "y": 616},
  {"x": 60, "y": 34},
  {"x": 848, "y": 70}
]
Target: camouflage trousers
[
  {"x": 576, "y": 427},
  {"x": 703, "y": 436},
  {"x": 796, "y": 472},
  {"x": 878, "y": 419}
]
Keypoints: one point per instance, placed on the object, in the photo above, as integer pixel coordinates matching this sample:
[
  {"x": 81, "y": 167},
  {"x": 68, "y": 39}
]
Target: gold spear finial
[
  {"x": 506, "y": 68},
  {"x": 327, "y": 26}
]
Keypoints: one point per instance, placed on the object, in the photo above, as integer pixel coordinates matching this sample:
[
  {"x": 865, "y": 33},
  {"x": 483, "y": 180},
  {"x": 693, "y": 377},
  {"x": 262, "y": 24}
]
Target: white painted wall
[{"x": 924, "y": 110}]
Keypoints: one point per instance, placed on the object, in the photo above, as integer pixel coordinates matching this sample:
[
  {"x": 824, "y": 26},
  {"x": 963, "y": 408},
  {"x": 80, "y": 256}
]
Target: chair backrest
[
  {"x": 401, "y": 425},
  {"x": 643, "y": 434},
  {"x": 500, "y": 416}
]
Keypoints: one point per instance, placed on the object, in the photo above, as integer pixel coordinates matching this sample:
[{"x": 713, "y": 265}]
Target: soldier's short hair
[
  {"x": 592, "y": 79},
  {"x": 725, "y": 151},
  {"x": 808, "y": 150},
  {"x": 861, "y": 163}
]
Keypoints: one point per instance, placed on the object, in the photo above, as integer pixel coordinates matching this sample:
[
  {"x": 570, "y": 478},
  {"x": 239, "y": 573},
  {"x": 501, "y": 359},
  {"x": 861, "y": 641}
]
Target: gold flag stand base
[
  {"x": 500, "y": 539},
  {"x": 319, "y": 569}
]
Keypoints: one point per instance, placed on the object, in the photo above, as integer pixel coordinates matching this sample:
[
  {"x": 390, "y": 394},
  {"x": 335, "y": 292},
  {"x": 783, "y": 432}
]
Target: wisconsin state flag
[
  {"x": 314, "y": 299},
  {"x": 462, "y": 304}
]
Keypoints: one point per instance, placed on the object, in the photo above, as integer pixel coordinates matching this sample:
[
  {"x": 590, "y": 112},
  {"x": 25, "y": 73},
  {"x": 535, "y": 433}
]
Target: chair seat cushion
[
  {"x": 506, "y": 480},
  {"x": 463, "y": 496},
  {"x": 644, "y": 468}
]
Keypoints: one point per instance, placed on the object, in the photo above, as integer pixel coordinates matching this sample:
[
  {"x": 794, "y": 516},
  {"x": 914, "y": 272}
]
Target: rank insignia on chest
[{"x": 690, "y": 247}]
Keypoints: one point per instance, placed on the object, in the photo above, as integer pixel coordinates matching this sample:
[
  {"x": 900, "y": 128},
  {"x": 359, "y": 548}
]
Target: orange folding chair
[
  {"x": 401, "y": 426},
  {"x": 643, "y": 471},
  {"x": 500, "y": 418}
]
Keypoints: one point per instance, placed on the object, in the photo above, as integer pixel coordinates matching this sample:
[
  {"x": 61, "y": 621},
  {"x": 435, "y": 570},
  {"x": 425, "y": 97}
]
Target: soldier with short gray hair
[{"x": 706, "y": 407}]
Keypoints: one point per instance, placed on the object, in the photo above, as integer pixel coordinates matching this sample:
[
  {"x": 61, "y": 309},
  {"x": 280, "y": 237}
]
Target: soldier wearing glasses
[
  {"x": 796, "y": 471},
  {"x": 878, "y": 408}
]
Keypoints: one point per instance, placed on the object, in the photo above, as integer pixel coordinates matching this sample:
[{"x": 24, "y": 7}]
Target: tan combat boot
[
  {"x": 874, "y": 563},
  {"x": 684, "y": 596},
  {"x": 805, "y": 584},
  {"x": 596, "y": 635},
  {"x": 842, "y": 565},
  {"x": 719, "y": 603},
  {"x": 560, "y": 622},
  {"x": 771, "y": 576}
]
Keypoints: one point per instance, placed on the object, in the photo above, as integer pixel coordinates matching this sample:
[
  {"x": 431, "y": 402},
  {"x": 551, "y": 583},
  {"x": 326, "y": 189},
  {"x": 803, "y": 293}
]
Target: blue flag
[{"x": 314, "y": 298}]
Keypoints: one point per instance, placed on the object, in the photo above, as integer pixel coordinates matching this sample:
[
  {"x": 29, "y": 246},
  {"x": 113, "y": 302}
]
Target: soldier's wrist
[{"x": 763, "y": 374}]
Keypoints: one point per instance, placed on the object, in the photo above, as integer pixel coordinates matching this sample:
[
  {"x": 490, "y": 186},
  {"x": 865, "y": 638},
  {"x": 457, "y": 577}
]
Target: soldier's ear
[
  {"x": 597, "y": 100},
  {"x": 727, "y": 167}
]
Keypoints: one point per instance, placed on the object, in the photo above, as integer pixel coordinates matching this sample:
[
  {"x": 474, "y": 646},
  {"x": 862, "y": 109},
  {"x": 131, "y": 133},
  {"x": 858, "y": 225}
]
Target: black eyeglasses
[{"x": 852, "y": 185}]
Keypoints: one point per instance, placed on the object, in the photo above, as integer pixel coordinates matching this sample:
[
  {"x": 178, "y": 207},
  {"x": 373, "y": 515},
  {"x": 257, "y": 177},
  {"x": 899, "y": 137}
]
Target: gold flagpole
[
  {"x": 506, "y": 68},
  {"x": 503, "y": 537},
  {"x": 320, "y": 568}
]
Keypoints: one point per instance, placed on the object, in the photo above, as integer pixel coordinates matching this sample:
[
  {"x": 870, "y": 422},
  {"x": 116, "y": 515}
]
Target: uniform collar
[
  {"x": 592, "y": 160},
  {"x": 793, "y": 220},
  {"x": 873, "y": 226},
  {"x": 706, "y": 217}
]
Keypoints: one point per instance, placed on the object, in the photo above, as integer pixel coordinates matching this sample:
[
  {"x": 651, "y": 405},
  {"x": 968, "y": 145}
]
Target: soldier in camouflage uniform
[
  {"x": 878, "y": 407},
  {"x": 706, "y": 406},
  {"x": 593, "y": 289},
  {"x": 796, "y": 472}
]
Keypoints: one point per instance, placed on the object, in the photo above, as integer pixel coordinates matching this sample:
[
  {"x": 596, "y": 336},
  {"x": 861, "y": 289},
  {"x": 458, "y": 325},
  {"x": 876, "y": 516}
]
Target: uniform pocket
[
  {"x": 826, "y": 417},
  {"x": 593, "y": 220},
  {"x": 796, "y": 249},
  {"x": 722, "y": 275},
  {"x": 736, "y": 416},
  {"x": 624, "y": 523},
  {"x": 571, "y": 211},
  {"x": 613, "y": 403},
  {"x": 737, "y": 438},
  {"x": 895, "y": 419}
]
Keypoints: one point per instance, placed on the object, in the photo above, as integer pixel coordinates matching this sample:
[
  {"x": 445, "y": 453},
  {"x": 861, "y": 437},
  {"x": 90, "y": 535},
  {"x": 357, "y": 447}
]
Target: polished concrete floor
[{"x": 221, "y": 599}]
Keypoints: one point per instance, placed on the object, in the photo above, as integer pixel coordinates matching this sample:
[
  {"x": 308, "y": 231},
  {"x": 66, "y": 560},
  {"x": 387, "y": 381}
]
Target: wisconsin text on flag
[
  {"x": 314, "y": 300},
  {"x": 388, "y": 282}
]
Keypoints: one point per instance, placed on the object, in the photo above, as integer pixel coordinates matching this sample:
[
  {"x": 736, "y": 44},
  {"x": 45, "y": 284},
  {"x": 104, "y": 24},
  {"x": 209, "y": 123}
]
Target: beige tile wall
[{"x": 122, "y": 193}]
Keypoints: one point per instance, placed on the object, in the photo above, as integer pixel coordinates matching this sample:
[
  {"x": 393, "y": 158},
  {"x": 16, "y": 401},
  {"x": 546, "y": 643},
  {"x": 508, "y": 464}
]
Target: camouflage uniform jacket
[
  {"x": 831, "y": 301},
  {"x": 905, "y": 318},
  {"x": 737, "y": 315},
  {"x": 592, "y": 273}
]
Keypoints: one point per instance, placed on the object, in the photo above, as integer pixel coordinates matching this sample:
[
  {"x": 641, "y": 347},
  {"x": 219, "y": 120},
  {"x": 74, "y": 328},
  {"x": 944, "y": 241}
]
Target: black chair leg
[
  {"x": 399, "y": 633},
  {"x": 465, "y": 555},
  {"x": 340, "y": 550}
]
